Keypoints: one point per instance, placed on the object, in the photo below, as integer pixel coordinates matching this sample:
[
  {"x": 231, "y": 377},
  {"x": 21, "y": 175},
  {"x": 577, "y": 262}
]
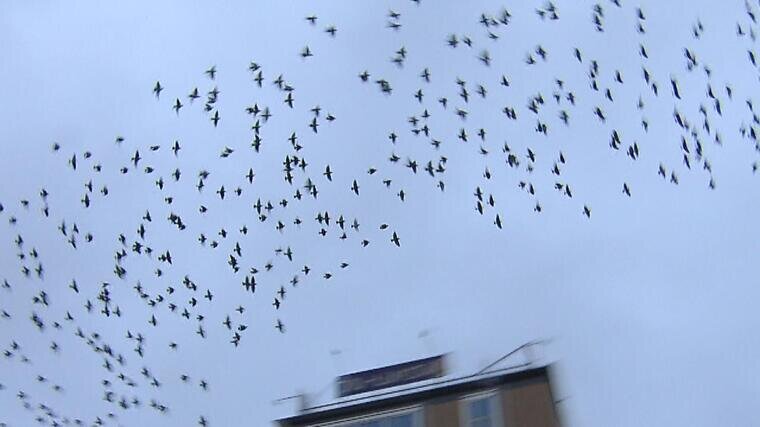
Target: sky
[{"x": 647, "y": 306}]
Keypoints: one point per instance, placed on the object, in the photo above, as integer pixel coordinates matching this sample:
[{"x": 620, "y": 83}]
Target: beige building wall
[
  {"x": 442, "y": 414},
  {"x": 528, "y": 404}
]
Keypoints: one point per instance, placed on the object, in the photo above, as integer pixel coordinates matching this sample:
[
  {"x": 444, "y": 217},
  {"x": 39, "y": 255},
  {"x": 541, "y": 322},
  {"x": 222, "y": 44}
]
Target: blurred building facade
[{"x": 519, "y": 396}]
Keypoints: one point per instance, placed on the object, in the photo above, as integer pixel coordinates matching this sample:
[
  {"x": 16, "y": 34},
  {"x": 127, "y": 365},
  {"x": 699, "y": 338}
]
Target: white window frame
[
  {"x": 496, "y": 411},
  {"x": 418, "y": 420}
]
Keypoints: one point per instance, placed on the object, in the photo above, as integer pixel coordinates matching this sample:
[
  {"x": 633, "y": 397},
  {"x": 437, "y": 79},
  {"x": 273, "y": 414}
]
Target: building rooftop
[{"x": 415, "y": 393}]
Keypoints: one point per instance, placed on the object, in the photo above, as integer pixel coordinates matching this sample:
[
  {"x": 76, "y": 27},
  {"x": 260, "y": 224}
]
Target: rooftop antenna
[
  {"x": 302, "y": 403},
  {"x": 525, "y": 347},
  {"x": 530, "y": 356}
]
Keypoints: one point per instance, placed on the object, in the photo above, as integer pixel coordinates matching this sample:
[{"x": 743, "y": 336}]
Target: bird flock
[{"x": 151, "y": 272}]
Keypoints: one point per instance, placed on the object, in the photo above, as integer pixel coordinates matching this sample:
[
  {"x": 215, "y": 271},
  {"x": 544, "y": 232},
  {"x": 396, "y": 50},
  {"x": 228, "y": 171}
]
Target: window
[
  {"x": 481, "y": 410},
  {"x": 406, "y": 420},
  {"x": 408, "y": 417}
]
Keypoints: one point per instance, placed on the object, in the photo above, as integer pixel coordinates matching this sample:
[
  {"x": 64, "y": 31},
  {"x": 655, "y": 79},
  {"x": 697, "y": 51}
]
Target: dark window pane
[
  {"x": 401, "y": 421},
  {"x": 480, "y": 408}
]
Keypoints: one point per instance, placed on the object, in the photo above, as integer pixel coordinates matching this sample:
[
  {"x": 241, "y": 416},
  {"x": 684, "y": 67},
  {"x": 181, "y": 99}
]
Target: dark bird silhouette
[
  {"x": 211, "y": 72},
  {"x": 674, "y": 84},
  {"x": 177, "y": 106},
  {"x": 157, "y": 89}
]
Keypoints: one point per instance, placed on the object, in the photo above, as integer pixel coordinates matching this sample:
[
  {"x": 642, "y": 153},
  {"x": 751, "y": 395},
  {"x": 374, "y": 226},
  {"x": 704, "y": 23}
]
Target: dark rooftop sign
[{"x": 390, "y": 376}]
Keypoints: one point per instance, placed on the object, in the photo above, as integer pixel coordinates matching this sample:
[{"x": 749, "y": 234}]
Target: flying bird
[{"x": 157, "y": 89}]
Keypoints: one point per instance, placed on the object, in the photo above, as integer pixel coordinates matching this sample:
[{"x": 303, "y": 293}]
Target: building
[{"x": 516, "y": 396}]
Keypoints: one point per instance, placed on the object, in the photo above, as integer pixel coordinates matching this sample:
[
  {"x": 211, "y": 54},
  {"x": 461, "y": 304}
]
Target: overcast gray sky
[{"x": 649, "y": 303}]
